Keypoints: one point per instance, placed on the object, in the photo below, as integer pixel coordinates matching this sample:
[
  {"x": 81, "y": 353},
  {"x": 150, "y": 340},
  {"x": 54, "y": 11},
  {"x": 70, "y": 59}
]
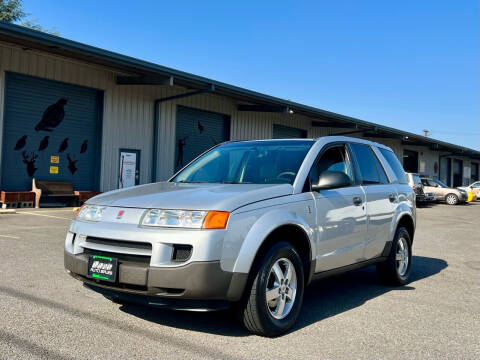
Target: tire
[
  {"x": 451, "y": 199},
  {"x": 391, "y": 271},
  {"x": 268, "y": 319}
]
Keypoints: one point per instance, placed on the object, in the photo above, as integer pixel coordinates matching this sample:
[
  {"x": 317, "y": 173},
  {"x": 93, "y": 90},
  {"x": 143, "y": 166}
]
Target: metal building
[{"x": 73, "y": 112}]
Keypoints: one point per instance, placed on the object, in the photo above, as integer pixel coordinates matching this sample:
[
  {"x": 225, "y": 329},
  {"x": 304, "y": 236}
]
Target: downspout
[{"x": 155, "y": 139}]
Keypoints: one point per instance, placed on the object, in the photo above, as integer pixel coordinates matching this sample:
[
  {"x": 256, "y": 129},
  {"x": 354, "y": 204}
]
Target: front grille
[
  {"x": 120, "y": 243},
  {"x": 181, "y": 253},
  {"x": 121, "y": 257}
]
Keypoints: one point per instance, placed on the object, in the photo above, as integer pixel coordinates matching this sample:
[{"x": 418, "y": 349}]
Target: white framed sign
[{"x": 129, "y": 168}]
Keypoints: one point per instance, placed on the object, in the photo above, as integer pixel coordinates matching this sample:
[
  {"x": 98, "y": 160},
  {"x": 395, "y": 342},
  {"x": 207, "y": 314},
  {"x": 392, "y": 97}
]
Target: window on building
[
  {"x": 474, "y": 170},
  {"x": 410, "y": 161}
]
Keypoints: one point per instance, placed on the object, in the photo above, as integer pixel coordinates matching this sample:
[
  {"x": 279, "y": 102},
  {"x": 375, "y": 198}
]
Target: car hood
[{"x": 169, "y": 195}]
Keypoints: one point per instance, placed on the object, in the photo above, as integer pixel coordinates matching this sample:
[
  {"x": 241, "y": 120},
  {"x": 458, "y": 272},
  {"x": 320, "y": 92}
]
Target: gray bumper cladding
[{"x": 197, "y": 280}]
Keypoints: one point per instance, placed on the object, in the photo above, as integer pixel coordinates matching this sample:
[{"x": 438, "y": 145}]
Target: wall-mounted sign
[
  {"x": 53, "y": 169},
  {"x": 129, "y": 168},
  {"x": 54, "y": 159}
]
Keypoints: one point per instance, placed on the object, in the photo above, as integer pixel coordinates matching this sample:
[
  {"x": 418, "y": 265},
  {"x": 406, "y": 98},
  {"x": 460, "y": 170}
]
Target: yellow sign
[
  {"x": 54, "y": 159},
  {"x": 53, "y": 169}
]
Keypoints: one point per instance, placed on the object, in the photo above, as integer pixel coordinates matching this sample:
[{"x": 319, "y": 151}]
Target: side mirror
[{"x": 332, "y": 180}]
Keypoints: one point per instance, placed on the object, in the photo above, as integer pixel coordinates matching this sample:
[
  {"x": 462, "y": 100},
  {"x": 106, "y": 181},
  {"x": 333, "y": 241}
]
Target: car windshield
[
  {"x": 441, "y": 183},
  {"x": 249, "y": 162}
]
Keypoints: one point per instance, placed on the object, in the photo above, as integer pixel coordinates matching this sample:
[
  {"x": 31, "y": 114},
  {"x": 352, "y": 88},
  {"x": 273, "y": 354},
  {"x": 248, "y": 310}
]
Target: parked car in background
[
  {"x": 249, "y": 224},
  {"x": 416, "y": 184},
  {"x": 474, "y": 188},
  {"x": 451, "y": 196}
]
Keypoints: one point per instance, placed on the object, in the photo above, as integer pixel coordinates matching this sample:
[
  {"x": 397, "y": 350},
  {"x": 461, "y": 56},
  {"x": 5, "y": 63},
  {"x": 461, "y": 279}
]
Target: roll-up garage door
[
  {"x": 287, "y": 132},
  {"x": 51, "y": 132},
  {"x": 197, "y": 131}
]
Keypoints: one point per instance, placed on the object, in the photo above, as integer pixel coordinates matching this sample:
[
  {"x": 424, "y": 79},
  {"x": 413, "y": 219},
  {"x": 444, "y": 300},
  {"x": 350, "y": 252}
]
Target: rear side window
[
  {"x": 370, "y": 168},
  {"x": 395, "y": 165}
]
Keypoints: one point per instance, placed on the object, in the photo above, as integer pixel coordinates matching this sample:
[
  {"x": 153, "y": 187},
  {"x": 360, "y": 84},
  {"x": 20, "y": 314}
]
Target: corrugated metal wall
[{"x": 128, "y": 113}]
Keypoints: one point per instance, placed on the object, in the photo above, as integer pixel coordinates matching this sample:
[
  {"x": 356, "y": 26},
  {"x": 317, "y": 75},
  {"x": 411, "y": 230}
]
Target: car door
[
  {"x": 340, "y": 213},
  {"x": 381, "y": 198},
  {"x": 431, "y": 186}
]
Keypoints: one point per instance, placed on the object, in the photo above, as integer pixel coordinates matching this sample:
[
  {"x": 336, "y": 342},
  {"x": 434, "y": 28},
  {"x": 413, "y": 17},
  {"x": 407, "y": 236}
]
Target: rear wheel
[
  {"x": 273, "y": 300},
  {"x": 396, "y": 269},
  {"x": 451, "y": 199}
]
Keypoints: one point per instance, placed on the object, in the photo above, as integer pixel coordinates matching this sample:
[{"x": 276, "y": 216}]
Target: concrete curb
[{"x": 7, "y": 211}]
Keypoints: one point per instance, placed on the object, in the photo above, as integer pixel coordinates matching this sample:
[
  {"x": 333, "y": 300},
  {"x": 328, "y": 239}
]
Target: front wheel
[
  {"x": 451, "y": 199},
  {"x": 396, "y": 269},
  {"x": 273, "y": 301}
]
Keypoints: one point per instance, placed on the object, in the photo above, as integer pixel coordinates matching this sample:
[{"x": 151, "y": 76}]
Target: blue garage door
[
  {"x": 51, "y": 132},
  {"x": 287, "y": 132},
  {"x": 197, "y": 131}
]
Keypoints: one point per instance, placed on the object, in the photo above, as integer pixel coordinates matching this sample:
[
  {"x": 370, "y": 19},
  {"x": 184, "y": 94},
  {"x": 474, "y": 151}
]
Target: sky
[{"x": 411, "y": 65}]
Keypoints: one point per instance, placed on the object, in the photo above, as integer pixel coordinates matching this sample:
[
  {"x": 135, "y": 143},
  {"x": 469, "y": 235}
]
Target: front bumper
[{"x": 195, "y": 280}]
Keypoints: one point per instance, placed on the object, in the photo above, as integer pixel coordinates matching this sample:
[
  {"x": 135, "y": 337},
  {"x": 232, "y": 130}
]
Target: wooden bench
[
  {"x": 83, "y": 196},
  {"x": 61, "y": 191}
]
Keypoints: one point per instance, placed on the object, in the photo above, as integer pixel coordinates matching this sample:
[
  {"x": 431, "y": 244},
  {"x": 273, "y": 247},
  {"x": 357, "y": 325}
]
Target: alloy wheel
[
  {"x": 402, "y": 257},
  {"x": 281, "y": 288},
  {"x": 451, "y": 199}
]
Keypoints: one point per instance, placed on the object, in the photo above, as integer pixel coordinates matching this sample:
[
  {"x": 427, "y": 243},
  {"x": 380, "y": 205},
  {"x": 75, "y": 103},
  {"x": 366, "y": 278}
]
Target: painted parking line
[
  {"x": 50, "y": 216},
  {"x": 53, "y": 210},
  {"x": 9, "y": 236}
]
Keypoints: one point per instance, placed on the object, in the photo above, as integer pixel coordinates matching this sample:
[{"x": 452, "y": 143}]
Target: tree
[{"x": 11, "y": 11}]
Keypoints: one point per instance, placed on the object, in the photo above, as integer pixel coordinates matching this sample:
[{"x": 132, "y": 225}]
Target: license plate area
[{"x": 102, "y": 268}]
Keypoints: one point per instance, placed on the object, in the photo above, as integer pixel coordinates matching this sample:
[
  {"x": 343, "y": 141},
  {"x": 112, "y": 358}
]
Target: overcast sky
[{"x": 412, "y": 65}]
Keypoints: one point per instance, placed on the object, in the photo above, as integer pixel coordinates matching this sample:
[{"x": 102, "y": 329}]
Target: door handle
[
  {"x": 357, "y": 201},
  {"x": 392, "y": 197}
]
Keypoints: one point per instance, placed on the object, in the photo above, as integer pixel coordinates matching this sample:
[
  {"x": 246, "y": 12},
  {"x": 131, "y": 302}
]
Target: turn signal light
[
  {"x": 216, "y": 220},
  {"x": 77, "y": 210}
]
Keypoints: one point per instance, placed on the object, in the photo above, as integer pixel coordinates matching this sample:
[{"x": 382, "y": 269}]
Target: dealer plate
[{"x": 102, "y": 268}]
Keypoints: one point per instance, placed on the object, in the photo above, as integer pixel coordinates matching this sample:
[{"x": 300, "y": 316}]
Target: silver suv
[{"x": 249, "y": 224}]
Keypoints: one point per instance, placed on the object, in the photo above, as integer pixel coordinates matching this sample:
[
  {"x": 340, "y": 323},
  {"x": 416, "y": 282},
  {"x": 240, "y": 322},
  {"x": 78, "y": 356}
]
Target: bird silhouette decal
[
  {"x": 200, "y": 126},
  {"x": 52, "y": 117},
  {"x": 63, "y": 145},
  {"x": 84, "y": 146},
  {"x": 21, "y": 143},
  {"x": 43, "y": 144},
  {"x": 72, "y": 164},
  {"x": 29, "y": 160}
]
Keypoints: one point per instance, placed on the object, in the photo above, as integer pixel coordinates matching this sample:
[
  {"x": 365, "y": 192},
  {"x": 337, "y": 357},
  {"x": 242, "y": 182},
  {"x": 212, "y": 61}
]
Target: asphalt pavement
[{"x": 46, "y": 314}]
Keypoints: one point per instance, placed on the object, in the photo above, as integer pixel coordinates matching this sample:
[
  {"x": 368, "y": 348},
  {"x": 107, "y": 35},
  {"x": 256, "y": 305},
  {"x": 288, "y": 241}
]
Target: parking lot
[{"x": 47, "y": 314}]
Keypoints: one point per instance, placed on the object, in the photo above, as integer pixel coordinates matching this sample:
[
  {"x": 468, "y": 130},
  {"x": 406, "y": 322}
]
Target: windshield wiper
[
  {"x": 192, "y": 182},
  {"x": 235, "y": 182}
]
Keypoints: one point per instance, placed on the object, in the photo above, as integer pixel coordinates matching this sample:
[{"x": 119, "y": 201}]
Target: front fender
[{"x": 263, "y": 227}]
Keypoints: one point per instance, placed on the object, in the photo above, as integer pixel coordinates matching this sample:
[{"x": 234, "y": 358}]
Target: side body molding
[{"x": 263, "y": 227}]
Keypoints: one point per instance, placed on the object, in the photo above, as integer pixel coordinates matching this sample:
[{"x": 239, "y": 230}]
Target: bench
[
  {"x": 83, "y": 196},
  {"x": 59, "y": 191}
]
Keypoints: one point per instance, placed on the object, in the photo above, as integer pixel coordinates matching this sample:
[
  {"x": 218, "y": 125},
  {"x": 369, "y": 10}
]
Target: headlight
[
  {"x": 194, "y": 219},
  {"x": 91, "y": 213}
]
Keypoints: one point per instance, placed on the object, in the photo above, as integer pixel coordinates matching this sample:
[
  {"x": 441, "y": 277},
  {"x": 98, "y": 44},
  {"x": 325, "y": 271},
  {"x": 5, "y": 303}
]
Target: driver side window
[{"x": 333, "y": 159}]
